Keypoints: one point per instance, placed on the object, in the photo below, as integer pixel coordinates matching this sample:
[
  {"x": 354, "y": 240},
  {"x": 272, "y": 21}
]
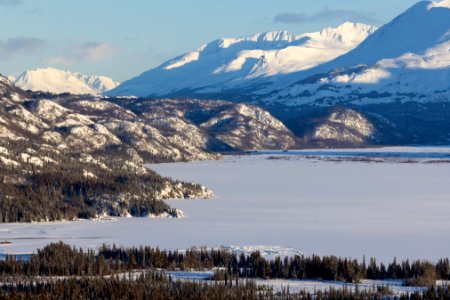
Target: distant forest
[{"x": 77, "y": 272}]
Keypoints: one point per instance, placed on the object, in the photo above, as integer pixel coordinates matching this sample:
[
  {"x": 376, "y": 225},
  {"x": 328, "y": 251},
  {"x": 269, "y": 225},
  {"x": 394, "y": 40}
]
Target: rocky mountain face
[
  {"x": 153, "y": 130},
  {"x": 58, "y": 81},
  {"x": 383, "y": 124},
  {"x": 229, "y": 126}
]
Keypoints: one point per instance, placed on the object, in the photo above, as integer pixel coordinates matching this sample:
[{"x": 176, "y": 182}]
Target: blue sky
[{"x": 123, "y": 38}]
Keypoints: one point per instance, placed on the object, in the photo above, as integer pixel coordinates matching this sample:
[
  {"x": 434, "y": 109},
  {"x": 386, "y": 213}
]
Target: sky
[{"x": 123, "y": 38}]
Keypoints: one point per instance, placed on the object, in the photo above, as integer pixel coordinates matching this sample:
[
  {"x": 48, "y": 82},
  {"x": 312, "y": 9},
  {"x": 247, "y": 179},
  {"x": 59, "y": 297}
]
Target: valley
[
  {"x": 345, "y": 208},
  {"x": 308, "y": 163}
]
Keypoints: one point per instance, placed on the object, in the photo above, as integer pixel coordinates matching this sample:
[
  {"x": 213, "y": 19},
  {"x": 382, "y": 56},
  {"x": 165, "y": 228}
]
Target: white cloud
[
  {"x": 14, "y": 47},
  {"x": 84, "y": 52},
  {"x": 10, "y": 2}
]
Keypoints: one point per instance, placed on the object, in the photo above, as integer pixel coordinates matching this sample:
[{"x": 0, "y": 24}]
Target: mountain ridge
[
  {"x": 407, "y": 59},
  {"x": 230, "y": 62}
]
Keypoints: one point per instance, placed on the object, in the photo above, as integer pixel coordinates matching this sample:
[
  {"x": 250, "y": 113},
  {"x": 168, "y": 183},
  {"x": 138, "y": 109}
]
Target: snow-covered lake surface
[
  {"x": 397, "y": 287},
  {"x": 310, "y": 205},
  {"x": 312, "y": 286},
  {"x": 387, "y": 152}
]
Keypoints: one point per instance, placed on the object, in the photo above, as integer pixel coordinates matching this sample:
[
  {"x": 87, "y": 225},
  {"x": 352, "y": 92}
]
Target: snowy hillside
[
  {"x": 406, "y": 60},
  {"x": 58, "y": 81},
  {"x": 174, "y": 130},
  {"x": 233, "y": 62}
]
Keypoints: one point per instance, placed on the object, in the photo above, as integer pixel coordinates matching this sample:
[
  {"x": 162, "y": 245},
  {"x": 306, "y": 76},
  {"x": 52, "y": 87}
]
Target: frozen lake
[
  {"x": 397, "y": 287},
  {"x": 342, "y": 208}
]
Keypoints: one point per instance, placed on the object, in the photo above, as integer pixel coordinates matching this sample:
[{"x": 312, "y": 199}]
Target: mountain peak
[
  {"x": 60, "y": 81},
  {"x": 444, "y": 4},
  {"x": 350, "y": 28},
  {"x": 348, "y": 33},
  {"x": 276, "y": 36},
  {"x": 418, "y": 29}
]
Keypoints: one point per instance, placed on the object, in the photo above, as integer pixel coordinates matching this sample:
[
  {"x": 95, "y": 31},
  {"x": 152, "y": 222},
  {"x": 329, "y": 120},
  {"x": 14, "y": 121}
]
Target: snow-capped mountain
[
  {"x": 326, "y": 88},
  {"x": 235, "y": 62},
  {"x": 59, "y": 81},
  {"x": 408, "y": 59}
]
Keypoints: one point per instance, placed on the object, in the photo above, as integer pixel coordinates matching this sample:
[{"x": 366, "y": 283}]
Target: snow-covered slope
[
  {"x": 420, "y": 28},
  {"x": 9, "y": 91},
  {"x": 406, "y": 60},
  {"x": 58, "y": 81},
  {"x": 235, "y": 62}
]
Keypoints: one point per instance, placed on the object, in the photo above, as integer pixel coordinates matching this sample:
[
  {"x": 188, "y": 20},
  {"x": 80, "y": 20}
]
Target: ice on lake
[{"x": 314, "y": 206}]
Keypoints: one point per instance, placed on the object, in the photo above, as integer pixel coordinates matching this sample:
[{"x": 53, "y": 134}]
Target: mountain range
[
  {"x": 151, "y": 130},
  {"x": 407, "y": 59},
  {"x": 230, "y": 63},
  {"x": 352, "y": 85}
]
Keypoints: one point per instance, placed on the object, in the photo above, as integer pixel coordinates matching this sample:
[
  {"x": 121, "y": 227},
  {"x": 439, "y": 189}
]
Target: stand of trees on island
[
  {"x": 64, "y": 194},
  {"x": 77, "y": 272},
  {"x": 80, "y": 187}
]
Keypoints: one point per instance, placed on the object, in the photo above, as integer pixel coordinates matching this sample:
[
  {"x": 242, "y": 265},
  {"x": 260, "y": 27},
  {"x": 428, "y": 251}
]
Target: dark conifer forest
[
  {"x": 63, "y": 194},
  {"x": 78, "y": 189},
  {"x": 59, "y": 271}
]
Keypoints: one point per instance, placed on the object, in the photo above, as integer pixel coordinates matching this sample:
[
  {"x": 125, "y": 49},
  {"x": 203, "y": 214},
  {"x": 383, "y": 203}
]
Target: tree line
[
  {"x": 59, "y": 259},
  {"x": 157, "y": 286}
]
